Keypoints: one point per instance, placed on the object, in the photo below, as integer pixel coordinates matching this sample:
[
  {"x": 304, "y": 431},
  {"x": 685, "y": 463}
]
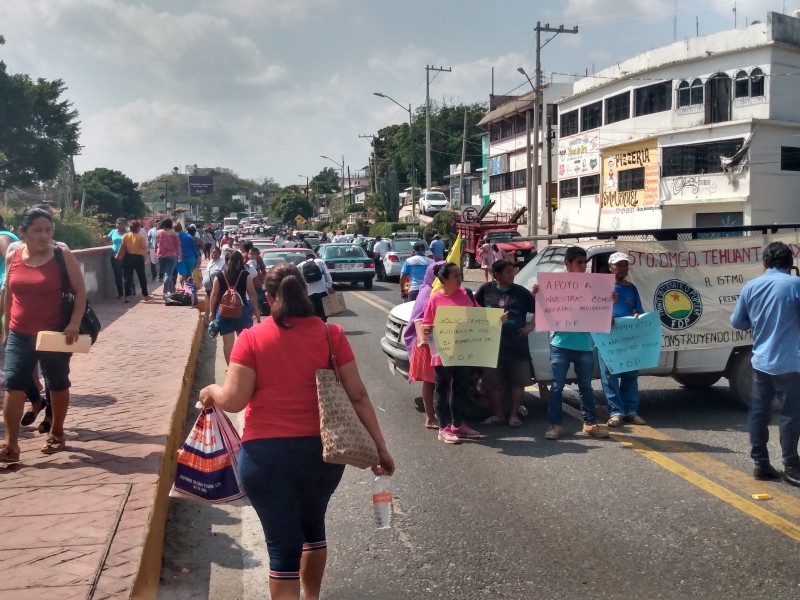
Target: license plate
[{"x": 346, "y": 267}]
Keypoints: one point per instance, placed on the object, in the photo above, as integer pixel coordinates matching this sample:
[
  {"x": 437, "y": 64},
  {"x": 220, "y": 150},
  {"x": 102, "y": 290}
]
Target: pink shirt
[
  {"x": 167, "y": 244},
  {"x": 459, "y": 298}
]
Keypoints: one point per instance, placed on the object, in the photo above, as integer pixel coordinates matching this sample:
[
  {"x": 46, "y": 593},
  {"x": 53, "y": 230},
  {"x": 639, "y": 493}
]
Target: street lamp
[
  {"x": 344, "y": 203},
  {"x": 532, "y": 168},
  {"x": 410, "y": 150}
]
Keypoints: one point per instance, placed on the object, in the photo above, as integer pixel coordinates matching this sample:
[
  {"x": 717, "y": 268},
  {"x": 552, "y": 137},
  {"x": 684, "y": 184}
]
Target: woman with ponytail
[{"x": 272, "y": 377}]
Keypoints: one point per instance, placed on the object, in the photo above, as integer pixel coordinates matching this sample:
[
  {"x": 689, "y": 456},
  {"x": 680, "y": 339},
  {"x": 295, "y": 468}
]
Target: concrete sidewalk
[{"x": 88, "y": 523}]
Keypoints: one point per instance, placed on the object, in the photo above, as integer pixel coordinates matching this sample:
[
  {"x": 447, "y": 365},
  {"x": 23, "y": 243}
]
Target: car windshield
[
  {"x": 404, "y": 245},
  {"x": 436, "y": 196},
  {"x": 275, "y": 258},
  {"x": 339, "y": 251},
  {"x": 549, "y": 260},
  {"x": 502, "y": 236}
]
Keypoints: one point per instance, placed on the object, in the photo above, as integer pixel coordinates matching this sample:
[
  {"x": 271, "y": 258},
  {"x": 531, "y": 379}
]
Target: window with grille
[
  {"x": 697, "y": 159},
  {"x": 590, "y": 186},
  {"x": 494, "y": 132},
  {"x": 684, "y": 96},
  {"x": 519, "y": 124},
  {"x": 507, "y": 129},
  {"x": 790, "y": 158},
  {"x": 631, "y": 179},
  {"x": 500, "y": 183},
  {"x": 756, "y": 82},
  {"x": 696, "y": 92},
  {"x": 653, "y": 98},
  {"x": 742, "y": 85},
  {"x": 618, "y": 108},
  {"x": 568, "y": 188},
  {"x": 569, "y": 123},
  {"x": 519, "y": 179},
  {"x": 591, "y": 116}
]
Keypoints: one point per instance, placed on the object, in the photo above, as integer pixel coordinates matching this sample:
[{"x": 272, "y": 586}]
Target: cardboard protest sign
[
  {"x": 467, "y": 336},
  {"x": 574, "y": 302},
  {"x": 634, "y": 343}
]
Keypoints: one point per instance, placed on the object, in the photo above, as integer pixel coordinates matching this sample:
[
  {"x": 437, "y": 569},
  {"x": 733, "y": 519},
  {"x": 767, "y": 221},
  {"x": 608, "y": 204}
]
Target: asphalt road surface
[{"x": 659, "y": 511}]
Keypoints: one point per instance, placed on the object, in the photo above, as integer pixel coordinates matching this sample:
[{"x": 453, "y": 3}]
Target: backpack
[
  {"x": 231, "y": 303},
  {"x": 190, "y": 288},
  {"x": 311, "y": 271},
  {"x": 179, "y": 299}
]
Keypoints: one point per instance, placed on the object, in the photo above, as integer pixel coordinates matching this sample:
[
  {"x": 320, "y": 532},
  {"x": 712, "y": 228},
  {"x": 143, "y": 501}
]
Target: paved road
[{"x": 660, "y": 512}]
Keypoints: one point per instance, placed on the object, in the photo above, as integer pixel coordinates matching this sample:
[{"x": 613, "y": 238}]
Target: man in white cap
[{"x": 622, "y": 389}]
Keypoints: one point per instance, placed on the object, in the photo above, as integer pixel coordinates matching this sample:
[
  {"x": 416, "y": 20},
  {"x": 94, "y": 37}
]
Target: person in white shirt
[
  {"x": 379, "y": 250},
  {"x": 317, "y": 288},
  {"x": 151, "y": 245},
  {"x": 214, "y": 266},
  {"x": 279, "y": 241}
]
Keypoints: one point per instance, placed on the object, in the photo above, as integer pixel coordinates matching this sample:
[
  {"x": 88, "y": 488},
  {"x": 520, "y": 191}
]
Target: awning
[{"x": 510, "y": 108}]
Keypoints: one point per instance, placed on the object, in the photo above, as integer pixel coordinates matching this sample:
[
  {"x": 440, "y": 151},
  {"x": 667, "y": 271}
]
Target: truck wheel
[
  {"x": 740, "y": 378},
  {"x": 467, "y": 261},
  {"x": 697, "y": 381},
  {"x": 368, "y": 284},
  {"x": 476, "y": 406}
]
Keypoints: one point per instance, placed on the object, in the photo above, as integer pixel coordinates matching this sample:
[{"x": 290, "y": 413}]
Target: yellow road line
[
  {"x": 372, "y": 300},
  {"x": 728, "y": 496}
]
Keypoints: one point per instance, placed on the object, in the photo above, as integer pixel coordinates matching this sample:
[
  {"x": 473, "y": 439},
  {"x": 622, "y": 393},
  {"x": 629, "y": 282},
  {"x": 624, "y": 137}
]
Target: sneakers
[
  {"x": 554, "y": 432},
  {"x": 791, "y": 475},
  {"x": 447, "y": 436},
  {"x": 765, "y": 472},
  {"x": 595, "y": 430},
  {"x": 635, "y": 420},
  {"x": 465, "y": 431}
]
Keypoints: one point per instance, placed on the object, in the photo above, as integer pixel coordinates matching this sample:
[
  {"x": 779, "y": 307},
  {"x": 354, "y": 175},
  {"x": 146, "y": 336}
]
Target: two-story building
[{"x": 701, "y": 132}]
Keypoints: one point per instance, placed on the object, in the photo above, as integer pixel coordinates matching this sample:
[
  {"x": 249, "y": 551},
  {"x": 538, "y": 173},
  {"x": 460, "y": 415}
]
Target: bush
[
  {"x": 382, "y": 229},
  {"x": 76, "y": 231}
]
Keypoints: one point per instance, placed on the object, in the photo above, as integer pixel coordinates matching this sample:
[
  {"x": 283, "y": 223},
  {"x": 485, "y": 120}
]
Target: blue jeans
[
  {"x": 621, "y": 390},
  {"x": 765, "y": 387},
  {"x": 167, "y": 265},
  {"x": 560, "y": 359}
]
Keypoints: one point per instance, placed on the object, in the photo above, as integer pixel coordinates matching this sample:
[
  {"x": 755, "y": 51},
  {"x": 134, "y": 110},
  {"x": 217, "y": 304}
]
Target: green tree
[
  {"x": 39, "y": 129},
  {"x": 326, "y": 181},
  {"x": 289, "y": 203},
  {"x": 443, "y": 224},
  {"x": 112, "y": 193}
]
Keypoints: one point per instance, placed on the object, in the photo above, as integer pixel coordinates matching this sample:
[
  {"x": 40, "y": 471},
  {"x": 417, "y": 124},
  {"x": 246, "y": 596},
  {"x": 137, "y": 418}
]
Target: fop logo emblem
[{"x": 678, "y": 304}]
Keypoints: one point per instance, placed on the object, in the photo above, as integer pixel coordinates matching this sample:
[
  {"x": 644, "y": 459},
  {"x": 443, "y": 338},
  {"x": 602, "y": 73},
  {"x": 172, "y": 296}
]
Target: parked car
[
  {"x": 276, "y": 256},
  {"x": 348, "y": 263},
  {"x": 402, "y": 248},
  {"x": 433, "y": 201},
  {"x": 263, "y": 244}
]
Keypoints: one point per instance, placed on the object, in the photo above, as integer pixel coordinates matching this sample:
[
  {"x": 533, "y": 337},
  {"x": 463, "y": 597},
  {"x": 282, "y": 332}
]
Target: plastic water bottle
[{"x": 382, "y": 496}]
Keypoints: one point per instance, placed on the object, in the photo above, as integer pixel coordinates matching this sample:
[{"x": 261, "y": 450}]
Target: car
[
  {"x": 433, "y": 201},
  {"x": 402, "y": 248},
  {"x": 276, "y": 256},
  {"x": 348, "y": 263}
]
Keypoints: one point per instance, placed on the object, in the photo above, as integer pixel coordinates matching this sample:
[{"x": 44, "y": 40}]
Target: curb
[{"x": 148, "y": 573}]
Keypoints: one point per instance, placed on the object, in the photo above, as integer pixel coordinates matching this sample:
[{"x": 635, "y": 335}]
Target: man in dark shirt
[{"x": 514, "y": 359}]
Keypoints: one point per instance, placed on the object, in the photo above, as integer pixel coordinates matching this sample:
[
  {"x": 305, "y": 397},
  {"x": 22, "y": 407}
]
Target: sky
[{"x": 264, "y": 87}]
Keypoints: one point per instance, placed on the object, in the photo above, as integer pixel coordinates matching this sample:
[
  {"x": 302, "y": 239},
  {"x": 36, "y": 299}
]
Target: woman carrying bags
[{"x": 280, "y": 464}]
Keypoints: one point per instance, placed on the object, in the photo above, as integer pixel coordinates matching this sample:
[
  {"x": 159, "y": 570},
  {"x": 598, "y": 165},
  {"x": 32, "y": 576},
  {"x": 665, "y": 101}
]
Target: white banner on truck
[{"x": 693, "y": 285}]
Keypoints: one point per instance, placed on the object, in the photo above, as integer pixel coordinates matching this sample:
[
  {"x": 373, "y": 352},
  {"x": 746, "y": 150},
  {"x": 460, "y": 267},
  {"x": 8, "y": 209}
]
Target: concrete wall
[{"x": 97, "y": 273}]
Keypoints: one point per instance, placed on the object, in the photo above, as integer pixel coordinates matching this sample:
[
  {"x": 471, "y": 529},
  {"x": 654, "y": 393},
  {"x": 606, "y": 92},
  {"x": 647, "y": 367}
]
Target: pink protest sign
[{"x": 574, "y": 302}]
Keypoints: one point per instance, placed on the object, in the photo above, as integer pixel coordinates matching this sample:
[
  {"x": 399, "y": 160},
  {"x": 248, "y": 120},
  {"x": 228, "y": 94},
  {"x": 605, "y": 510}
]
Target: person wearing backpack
[
  {"x": 233, "y": 301},
  {"x": 318, "y": 281}
]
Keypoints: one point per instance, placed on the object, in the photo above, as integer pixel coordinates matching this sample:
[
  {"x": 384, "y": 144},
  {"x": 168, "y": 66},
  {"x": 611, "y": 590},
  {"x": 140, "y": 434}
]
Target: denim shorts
[
  {"x": 227, "y": 325},
  {"x": 289, "y": 486},
  {"x": 21, "y": 358}
]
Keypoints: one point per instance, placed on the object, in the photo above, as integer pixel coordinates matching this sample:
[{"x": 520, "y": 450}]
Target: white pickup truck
[{"x": 691, "y": 277}]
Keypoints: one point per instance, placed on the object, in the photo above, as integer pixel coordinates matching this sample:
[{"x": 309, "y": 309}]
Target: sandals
[
  {"x": 514, "y": 421},
  {"x": 7, "y": 457},
  {"x": 615, "y": 421},
  {"x": 30, "y": 415},
  {"x": 44, "y": 426},
  {"x": 54, "y": 444},
  {"x": 493, "y": 420},
  {"x": 431, "y": 425}
]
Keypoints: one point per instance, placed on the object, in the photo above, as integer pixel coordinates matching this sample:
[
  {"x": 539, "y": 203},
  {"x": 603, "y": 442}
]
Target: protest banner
[
  {"x": 467, "y": 336},
  {"x": 574, "y": 302},
  {"x": 694, "y": 285},
  {"x": 633, "y": 343}
]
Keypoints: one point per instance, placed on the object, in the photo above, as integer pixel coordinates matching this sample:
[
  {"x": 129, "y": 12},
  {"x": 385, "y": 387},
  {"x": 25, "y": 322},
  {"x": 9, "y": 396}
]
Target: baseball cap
[
  {"x": 618, "y": 257},
  {"x": 419, "y": 247}
]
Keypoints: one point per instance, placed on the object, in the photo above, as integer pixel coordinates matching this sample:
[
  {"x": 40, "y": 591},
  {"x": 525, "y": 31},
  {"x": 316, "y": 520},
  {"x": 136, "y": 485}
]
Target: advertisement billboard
[{"x": 201, "y": 185}]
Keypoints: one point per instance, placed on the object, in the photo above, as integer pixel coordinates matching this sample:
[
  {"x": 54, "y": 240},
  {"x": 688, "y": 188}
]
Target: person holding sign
[
  {"x": 572, "y": 348},
  {"x": 622, "y": 389},
  {"x": 514, "y": 359},
  {"x": 770, "y": 305},
  {"x": 449, "y": 413}
]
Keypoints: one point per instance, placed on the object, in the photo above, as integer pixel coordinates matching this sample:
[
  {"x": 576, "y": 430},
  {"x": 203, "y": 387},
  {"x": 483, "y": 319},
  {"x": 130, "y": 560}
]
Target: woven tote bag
[{"x": 345, "y": 440}]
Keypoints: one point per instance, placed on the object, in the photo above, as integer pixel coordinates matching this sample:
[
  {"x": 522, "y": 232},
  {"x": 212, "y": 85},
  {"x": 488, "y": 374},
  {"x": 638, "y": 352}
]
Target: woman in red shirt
[
  {"x": 272, "y": 377},
  {"x": 34, "y": 303}
]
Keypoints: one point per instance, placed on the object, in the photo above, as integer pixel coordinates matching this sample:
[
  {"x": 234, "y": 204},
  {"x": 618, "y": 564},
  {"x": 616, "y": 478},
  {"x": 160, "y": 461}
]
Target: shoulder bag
[
  {"x": 90, "y": 324},
  {"x": 345, "y": 440}
]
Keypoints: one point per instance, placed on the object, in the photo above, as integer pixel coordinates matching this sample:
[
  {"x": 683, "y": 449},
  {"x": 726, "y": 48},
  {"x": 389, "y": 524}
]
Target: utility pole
[
  {"x": 463, "y": 158},
  {"x": 373, "y": 188},
  {"x": 538, "y": 122},
  {"x": 428, "y": 70}
]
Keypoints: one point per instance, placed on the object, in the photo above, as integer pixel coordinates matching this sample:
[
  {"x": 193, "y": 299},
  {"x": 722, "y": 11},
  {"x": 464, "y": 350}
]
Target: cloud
[
  {"x": 602, "y": 12},
  {"x": 272, "y": 74},
  {"x": 272, "y": 13}
]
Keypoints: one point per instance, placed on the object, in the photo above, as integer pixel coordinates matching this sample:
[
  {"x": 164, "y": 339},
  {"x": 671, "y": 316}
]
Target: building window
[
  {"x": 718, "y": 99},
  {"x": 684, "y": 97},
  {"x": 568, "y": 188},
  {"x": 697, "y": 92},
  {"x": 697, "y": 159},
  {"x": 631, "y": 179},
  {"x": 507, "y": 129},
  {"x": 653, "y": 98},
  {"x": 790, "y": 158},
  {"x": 756, "y": 82},
  {"x": 590, "y": 186},
  {"x": 494, "y": 132},
  {"x": 742, "y": 86},
  {"x": 591, "y": 116},
  {"x": 519, "y": 179},
  {"x": 720, "y": 219},
  {"x": 519, "y": 124},
  {"x": 618, "y": 108},
  {"x": 569, "y": 123}
]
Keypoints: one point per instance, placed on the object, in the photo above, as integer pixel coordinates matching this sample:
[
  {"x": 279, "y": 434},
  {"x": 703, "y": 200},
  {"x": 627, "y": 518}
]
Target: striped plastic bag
[{"x": 207, "y": 463}]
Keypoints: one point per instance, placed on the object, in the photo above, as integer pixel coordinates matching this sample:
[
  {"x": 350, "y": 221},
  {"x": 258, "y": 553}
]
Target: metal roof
[{"x": 512, "y": 107}]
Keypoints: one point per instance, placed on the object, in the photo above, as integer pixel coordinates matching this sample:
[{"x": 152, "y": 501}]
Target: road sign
[{"x": 299, "y": 219}]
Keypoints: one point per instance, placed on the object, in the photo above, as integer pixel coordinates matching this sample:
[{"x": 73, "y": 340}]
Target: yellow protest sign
[{"x": 467, "y": 336}]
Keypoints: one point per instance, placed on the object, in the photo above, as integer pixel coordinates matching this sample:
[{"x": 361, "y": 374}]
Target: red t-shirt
[
  {"x": 36, "y": 303},
  {"x": 284, "y": 402}
]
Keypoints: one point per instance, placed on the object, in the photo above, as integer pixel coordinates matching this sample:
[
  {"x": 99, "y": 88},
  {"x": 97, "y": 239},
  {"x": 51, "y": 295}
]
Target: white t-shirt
[
  {"x": 324, "y": 284},
  {"x": 151, "y": 237},
  {"x": 381, "y": 248}
]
